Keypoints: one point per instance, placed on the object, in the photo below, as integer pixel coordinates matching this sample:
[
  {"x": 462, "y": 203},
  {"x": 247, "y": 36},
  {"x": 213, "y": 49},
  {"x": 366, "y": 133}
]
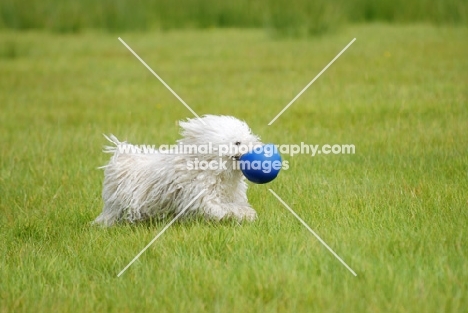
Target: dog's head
[{"x": 227, "y": 136}]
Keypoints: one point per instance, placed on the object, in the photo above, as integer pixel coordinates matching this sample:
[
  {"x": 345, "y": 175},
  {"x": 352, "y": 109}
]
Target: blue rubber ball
[{"x": 262, "y": 164}]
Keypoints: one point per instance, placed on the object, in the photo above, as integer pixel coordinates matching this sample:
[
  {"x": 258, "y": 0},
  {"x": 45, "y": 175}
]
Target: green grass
[{"x": 396, "y": 211}]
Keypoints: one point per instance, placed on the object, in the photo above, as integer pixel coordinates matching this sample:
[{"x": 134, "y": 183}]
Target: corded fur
[{"x": 139, "y": 186}]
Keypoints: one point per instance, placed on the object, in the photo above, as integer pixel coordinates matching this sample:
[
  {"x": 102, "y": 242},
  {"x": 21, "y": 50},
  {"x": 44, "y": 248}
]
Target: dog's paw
[
  {"x": 228, "y": 211},
  {"x": 244, "y": 213}
]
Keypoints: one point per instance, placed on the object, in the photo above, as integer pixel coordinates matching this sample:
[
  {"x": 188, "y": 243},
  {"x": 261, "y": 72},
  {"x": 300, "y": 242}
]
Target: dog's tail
[
  {"x": 111, "y": 149},
  {"x": 115, "y": 143}
]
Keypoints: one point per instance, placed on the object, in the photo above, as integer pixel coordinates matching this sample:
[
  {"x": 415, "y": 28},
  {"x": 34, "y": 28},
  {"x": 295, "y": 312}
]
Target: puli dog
[{"x": 141, "y": 185}]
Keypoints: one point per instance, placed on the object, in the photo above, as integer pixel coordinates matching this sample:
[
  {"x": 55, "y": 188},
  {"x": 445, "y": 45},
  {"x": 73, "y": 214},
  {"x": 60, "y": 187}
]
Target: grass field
[{"x": 396, "y": 211}]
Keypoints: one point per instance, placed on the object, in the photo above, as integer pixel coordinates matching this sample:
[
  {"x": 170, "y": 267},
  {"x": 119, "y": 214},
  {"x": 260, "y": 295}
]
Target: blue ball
[{"x": 262, "y": 164}]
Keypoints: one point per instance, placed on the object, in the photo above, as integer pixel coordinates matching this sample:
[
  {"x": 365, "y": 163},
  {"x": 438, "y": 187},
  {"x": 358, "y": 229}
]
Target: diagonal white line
[
  {"x": 161, "y": 80},
  {"x": 160, "y": 233},
  {"x": 313, "y": 233},
  {"x": 313, "y": 80}
]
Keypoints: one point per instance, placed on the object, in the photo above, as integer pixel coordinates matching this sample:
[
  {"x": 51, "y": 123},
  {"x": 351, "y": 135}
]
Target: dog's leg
[
  {"x": 241, "y": 208},
  {"x": 220, "y": 211},
  {"x": 242, "y": 211},
  {"x": 228, "y": 201},
  {"x": 110, "y": 215}
]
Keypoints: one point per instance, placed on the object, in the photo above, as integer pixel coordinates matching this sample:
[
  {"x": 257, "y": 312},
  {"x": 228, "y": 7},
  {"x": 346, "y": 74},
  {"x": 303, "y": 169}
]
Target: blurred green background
[{"x": 299, "y": 17}]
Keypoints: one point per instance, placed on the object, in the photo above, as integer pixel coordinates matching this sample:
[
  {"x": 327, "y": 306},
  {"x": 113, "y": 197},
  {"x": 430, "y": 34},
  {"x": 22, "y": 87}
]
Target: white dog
[{"x": 139, "y": 185}]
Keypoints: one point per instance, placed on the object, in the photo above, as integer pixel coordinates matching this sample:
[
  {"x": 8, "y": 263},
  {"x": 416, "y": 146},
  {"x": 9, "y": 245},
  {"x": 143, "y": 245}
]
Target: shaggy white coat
[{"x": 139, "y": 186}]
